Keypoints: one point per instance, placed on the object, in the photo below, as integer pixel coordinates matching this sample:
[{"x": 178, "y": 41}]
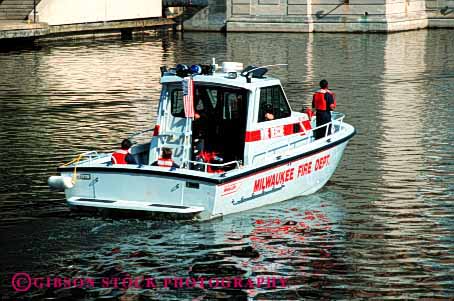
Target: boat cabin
[{"x": 240, "y": 117}]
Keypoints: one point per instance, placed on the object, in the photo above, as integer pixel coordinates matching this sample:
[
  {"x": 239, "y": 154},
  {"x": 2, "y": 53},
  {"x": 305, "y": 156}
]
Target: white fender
[{"x": 60, "y": 183}]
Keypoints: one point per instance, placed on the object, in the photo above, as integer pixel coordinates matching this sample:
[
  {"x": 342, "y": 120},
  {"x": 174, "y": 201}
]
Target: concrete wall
[
  {"x": 440, "y": 13},
  {"x": 210, "y": 18},
  {"x": 15, "y": 9},
  {"x": 337, "y": 16},
  {"x": 266, "y": 15},
  {"x": 59, "y": 12}
]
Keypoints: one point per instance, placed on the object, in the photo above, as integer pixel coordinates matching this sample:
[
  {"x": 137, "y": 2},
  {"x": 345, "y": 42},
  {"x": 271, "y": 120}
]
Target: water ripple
[{"x": 380, "y": 229}]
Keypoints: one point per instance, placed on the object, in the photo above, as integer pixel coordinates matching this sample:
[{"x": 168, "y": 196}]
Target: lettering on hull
[
  {"x": 273, "y": 180},
  {"x": 288, "y": 175},
  {"x": 84, "y": 176},
  {"x": 276, "y": 181},
  {"x": 230, "y": 188}
]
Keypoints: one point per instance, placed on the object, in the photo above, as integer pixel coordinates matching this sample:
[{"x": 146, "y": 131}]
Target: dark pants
[{"x": 322, "y": 117}]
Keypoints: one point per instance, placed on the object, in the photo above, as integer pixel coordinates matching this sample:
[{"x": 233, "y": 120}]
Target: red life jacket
[
  {"x": 320, "y": 101},
  {"x": 165, "y": 162},
  {"x": 119, "y": 157},
  {"x": 207, "y": 157},
  {"x": 309, "y": 113}
]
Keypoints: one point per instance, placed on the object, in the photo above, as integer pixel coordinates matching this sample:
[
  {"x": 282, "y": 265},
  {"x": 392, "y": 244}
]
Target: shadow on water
[{"x": 18, "y": 45}]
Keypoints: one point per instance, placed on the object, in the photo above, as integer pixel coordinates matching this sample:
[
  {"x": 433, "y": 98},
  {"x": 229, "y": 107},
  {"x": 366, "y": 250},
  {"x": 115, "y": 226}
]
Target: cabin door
[{"x": 220, "y": 122}]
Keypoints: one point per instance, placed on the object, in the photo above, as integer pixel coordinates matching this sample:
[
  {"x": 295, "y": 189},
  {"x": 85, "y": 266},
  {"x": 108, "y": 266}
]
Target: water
[{"x": 380, "y": 229}]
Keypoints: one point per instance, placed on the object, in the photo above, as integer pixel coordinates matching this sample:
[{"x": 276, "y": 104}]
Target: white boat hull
[
  {"x": 201, "y": 195},
  {"x": 293, "y": 180}
]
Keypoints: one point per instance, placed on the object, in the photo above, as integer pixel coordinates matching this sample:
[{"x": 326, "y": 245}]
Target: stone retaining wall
[{"x": 337, "y": 16}]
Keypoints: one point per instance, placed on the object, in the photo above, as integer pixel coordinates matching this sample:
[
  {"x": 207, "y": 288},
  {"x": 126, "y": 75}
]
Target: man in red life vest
[
  {"x": 166, "y": 159},
  {"x": 324, "y": 101},
  {"x": 122, "y": 156}
]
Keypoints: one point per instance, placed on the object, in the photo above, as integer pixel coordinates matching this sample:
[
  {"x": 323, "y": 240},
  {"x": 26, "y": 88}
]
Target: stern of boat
[
  {"x": 96, "y": 185},
  {"x": 126, "y": 190}
]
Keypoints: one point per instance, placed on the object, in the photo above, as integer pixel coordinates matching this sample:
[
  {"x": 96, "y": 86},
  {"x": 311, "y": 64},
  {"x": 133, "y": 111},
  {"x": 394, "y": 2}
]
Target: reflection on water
[{"x": 381, "y": 228}]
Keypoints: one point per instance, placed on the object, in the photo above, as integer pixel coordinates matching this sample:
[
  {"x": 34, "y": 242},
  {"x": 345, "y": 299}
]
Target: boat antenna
[
  {"x": 247, "y": 72},
  {"x": 266, "y": 67}
]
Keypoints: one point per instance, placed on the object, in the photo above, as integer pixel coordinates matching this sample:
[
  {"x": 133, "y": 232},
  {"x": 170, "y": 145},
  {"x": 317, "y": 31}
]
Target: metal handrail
[
  {"x": 339, "y": 119},
  {"x": 89, "y": 154},
  {"x": 76, "y": 161},
  {"x": 206, "y": 164},
  {"x": 135, "y": 134},
  {"x": 79, "y": 157},
  {"x": 175, "y": 134}
]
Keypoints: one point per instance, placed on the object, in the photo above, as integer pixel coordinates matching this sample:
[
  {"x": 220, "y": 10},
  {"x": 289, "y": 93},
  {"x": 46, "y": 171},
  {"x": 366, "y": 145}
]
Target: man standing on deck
[{"x": 324, "y": 101}]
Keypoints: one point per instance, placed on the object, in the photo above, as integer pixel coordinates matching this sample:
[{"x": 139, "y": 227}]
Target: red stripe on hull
[{"x": 278, "y": 131}]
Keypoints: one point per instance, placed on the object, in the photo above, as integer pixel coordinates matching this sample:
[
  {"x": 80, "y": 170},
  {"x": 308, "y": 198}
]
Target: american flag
[{"x": 188, "y": 97}]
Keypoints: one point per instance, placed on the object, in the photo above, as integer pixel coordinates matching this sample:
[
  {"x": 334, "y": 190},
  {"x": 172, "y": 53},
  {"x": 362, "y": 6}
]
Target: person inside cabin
[
  {"x": 200, "y": 122},
  {"x": 123, "y": 155},
  {"x": 199, "y": 130},
  {"x": 323, "y": 101},
  {"x": 268, "y": 112},
  {"x": 166, "y": 159}
]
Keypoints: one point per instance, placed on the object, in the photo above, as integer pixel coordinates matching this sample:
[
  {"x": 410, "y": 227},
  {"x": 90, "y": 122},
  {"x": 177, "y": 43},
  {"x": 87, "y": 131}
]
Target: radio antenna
[
  {"x": 275, "y": 65},
  {"x": 248, "y": 72}
]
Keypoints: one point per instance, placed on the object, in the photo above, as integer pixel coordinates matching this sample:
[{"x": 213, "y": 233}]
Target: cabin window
[
  {"x": 273, "y": 104},
  {"x": 232, "y": 104},
  {"x": 213, "y": 96},
  {"x": 176, "y": 99},
  {"x": 198, "y": 102},
  {"x": 205, "y": 99}
]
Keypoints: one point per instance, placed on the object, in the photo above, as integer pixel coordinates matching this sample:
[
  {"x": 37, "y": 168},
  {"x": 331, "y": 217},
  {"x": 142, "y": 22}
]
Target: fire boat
[{"x": 235, "y": 140}]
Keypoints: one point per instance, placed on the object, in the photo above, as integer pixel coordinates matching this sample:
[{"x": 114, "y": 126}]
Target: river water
[{"x": 382, "y": 228}]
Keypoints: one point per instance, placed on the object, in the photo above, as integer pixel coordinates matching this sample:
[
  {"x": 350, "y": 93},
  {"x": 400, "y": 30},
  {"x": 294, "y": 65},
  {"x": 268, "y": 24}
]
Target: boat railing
[
  {"x": 206, "y": 164},
  {"x": 90, "y": 155},
  {"x": 84, "y": 157},
  {"x": 168, "y": 133},
  {"x": 336, "y": 124},
  {"x": 136, "y": 134},
  {"x": 336, "y": 120}
]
